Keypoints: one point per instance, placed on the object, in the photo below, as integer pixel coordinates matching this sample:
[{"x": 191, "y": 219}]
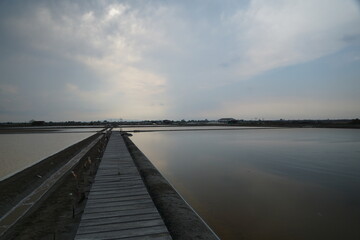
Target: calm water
[
  {"x": 19, "y": 151},
  {"x": 265, "y": 183}
]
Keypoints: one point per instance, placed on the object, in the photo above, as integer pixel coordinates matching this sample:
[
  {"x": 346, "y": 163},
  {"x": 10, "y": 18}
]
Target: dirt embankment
[{"x": 58, "y": 215}]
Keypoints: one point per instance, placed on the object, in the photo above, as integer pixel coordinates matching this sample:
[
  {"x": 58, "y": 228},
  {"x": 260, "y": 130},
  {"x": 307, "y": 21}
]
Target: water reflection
[
  {"x": 182, "y": 128},
  {"x": 265, "y": 183}
]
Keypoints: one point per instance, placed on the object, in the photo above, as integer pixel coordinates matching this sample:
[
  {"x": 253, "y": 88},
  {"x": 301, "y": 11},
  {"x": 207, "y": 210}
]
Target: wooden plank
[
  {"x": 123, "y": 187},
  {"x": 119, "y": 208},
  {"x": 160, "y": 236},
  {"x": 125, "y": 233},
  {"x": 115, "y": 191},
  {"x": 119, "y": 205},
  {"x": 119, "y": 214},
  {"x": 111, "y": 180},
  {"x": 117, "y": 197},
  {"x": 132, "y": 218},
  {"x": 131, "y": 184},
  {"x": 120, "y": 226}
]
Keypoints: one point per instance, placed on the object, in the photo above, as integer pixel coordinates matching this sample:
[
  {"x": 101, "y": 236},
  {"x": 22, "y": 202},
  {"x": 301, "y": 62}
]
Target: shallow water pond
[
  {"x": 19, "y": 151},
  {"x": 265, "y": 183}
]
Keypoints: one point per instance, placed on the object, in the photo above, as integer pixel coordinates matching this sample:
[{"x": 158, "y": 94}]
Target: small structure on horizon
[
  {"x": 226, "y": 120},
  {"x": 37, "y": 123}
]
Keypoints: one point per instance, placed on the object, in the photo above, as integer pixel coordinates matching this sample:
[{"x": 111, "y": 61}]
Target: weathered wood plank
[
  {"x": 160, "y": 236},
  {"x": 122, "y": 185},
  {"x": 120, "y": 214},
  {"x": 108, "y": 193},
  {"x": 120, "y": 208},
  {"x": 112, "y": 184},
  {"x": 117, "y": 203},
  {"x": 128, "y": 212},
  {"x": 108, "y": 180},
  {"x": 120, "y": 226},
  {"x": 139, "y": 217},
  {"x": 124, "y": 233},
  {"x": 117, "y": 197}
]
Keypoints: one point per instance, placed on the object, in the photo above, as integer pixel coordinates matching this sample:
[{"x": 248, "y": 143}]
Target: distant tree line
[{"x": 342, "y": 123}]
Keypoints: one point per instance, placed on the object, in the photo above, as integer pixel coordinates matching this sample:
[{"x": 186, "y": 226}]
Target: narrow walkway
[{"x": 119, "y": 206}]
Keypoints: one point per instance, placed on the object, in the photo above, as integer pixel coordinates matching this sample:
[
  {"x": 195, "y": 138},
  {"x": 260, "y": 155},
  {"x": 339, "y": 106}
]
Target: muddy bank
[
  {"x": 58, "y": 216},
  {"x": 180, "y": 219}
]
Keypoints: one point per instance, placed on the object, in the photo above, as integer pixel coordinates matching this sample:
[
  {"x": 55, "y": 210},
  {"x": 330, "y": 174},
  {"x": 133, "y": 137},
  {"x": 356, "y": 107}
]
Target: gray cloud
[{"x": 155, "y": 59}]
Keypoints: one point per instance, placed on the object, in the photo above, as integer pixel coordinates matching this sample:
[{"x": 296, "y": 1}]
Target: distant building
[
  {"x": 37, "y": 123},
  {"x": 166, "y": 121},
  {"x": 226, "y": 120}
]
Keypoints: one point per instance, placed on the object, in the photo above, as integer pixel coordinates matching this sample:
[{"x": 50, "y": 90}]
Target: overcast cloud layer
[{"x": 81, "y": 60}]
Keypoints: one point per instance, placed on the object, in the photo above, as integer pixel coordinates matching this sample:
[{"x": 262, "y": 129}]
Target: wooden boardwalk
[{"x": 119, "y": 206}]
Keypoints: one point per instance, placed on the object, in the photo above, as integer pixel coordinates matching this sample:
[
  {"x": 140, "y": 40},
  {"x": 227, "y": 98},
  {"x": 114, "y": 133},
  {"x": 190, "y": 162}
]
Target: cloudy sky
[{"x": 95, "y": 60}]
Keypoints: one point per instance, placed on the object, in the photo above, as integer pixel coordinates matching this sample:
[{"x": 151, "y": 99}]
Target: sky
[{"x": 141, "y": 59}]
